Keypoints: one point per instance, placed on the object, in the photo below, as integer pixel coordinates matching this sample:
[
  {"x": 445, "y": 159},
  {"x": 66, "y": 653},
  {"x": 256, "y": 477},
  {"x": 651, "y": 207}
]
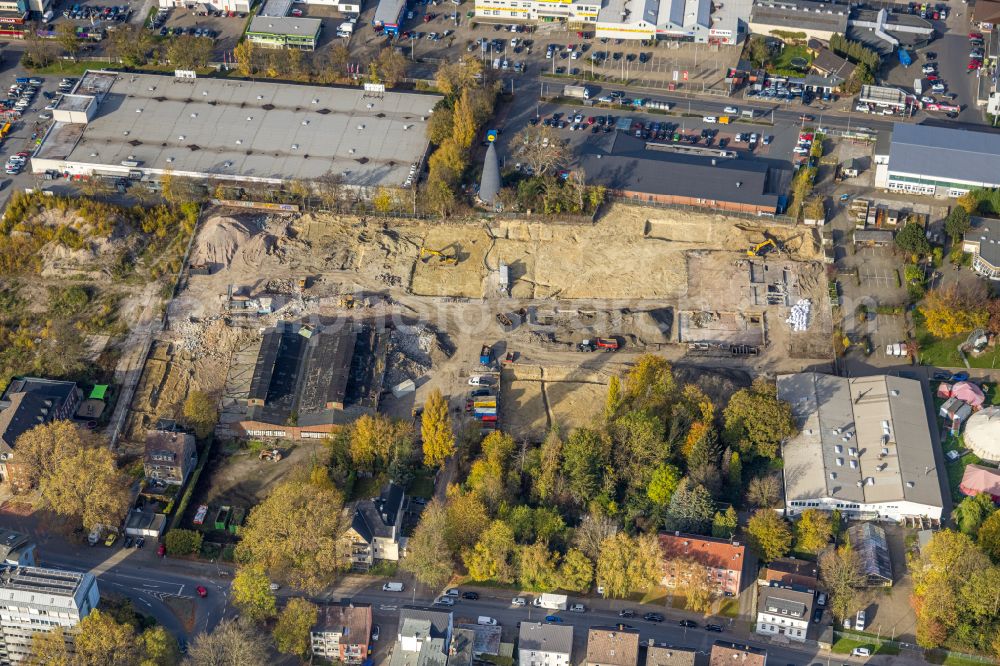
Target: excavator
[
  {"x": 768, "y": 244},
  {"x": 444, "y": 259}
]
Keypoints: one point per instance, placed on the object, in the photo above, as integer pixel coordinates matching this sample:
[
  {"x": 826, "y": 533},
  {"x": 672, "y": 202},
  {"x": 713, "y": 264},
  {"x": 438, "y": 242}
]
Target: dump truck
[
  {"x": 551, "y": 601},
  {"x": 274, "y": 455},
  {"x": 486, "y": 355},
  {"x": 581, "y": 92}
]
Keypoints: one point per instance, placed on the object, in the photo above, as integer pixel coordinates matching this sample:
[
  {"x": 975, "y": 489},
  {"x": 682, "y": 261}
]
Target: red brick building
[{"x": 722, "y": 558}]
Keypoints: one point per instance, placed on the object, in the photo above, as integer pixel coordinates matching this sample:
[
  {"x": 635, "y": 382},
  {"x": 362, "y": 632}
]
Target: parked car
[
  {"x": 578, "y": 608},
  {"x": 859, "y": 621},
  {"x": 960, "y": 376},
  {"x": 444, "y": 601},
  {"x": 688, "y": 624},
  {"x": 471, "y": 596},
  {"x": 453, "y": 592},
  {"x": 861, "y": 652},
  {"x": 821, "y": 599},
  {"x": 376, "y": 631},
  {"x": 717, "y": 628},
  {"x": 202, "y": 592},
  {"x": 518, "y": 601},
  {"x": 553, "y": 618},
  {"x": 653, "y": 617}
]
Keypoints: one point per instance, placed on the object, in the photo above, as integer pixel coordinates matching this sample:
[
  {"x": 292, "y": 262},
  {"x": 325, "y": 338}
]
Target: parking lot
[{"x": 225, "y": 29}]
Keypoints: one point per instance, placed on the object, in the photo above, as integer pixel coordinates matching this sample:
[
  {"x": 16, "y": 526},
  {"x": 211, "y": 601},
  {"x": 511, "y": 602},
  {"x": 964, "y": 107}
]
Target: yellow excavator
[
  {"x": 444, "y": 259},
  {"x": 760, "y": 249}
]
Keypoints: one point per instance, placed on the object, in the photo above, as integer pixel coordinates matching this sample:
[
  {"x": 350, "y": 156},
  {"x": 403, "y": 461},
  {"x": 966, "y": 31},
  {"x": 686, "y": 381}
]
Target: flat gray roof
[
  {"x": 252, "y": 130},
  {"x": 388, "y": 11},
  {"x": 546, "y": 637},
  {"x": 275, "y": 8},
  {"x": 870, "y": 434},
  {"x": 944, "y": 152},
  {"x": 285, "y": 25},
  {"x": 811, "y": 15}
]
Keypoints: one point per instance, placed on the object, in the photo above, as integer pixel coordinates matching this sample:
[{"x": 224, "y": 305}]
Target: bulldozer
[
  {"x": 274, "y": 455},
  {"x": 443, "y": 259}
]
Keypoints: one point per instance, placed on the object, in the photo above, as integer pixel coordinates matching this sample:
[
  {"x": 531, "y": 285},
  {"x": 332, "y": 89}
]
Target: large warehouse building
[
  {"x": 864, "y": 448},
  {"x": 939, "y": 161},
  {"x": 144, "y": 125}
]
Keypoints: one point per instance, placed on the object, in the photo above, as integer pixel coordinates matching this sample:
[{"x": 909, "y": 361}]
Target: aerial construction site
[{"x": 697, "y": 288}]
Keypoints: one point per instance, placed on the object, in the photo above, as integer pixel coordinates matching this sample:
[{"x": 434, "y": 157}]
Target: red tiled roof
[{"x": 717, "y": 553}]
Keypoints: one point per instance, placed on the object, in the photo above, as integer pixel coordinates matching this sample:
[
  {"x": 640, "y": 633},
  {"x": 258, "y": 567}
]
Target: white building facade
[
  {"x": 784, "y": 611},
  {"x": 545, "y": 644},
  {"x": 569, "y": 11},
  {"x": 35, "y": 599}
]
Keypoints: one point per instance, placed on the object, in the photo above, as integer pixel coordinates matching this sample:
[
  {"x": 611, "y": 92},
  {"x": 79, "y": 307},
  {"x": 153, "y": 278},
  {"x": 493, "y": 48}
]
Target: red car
[
  {"x": 428, "y": 18},
  {"x": 975, "y": 35},
  {"x": 161, "y": 550},
  {"x": 591, "y": 120},
  {"x": 975, "y": 64},
  {"x": 932, "y": 77},
  {"x": 296, "y": 12},
  {"x": 202, "y": 592}
]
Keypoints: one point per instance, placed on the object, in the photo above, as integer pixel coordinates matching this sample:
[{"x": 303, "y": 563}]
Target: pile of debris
[
  {"x": 798, "y": 318},
  {"x": 411, "y": 352}
]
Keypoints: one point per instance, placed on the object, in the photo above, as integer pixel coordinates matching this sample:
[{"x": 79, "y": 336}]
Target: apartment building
[
  {"x": 342, "y": 633},
  {"x": 722, "y": 558},
  {"x": 34, "y": 599}
]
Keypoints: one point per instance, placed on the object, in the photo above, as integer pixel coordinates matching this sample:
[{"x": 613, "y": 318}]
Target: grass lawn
[
  {"x": 70, "y": 68},
  {"x": 845, "y": 644},
  {"x": 783, "y": 60},
  {"x": 954, "y": 659},
  {"x": 956, "y": 469},
  {"x": 729, "y": 608},
  {"x": 367, "y": 487},
  {"x": 655, "y": 595},
  {"x": 422, "y": 484},
  {"x": 943, "y": 352}
]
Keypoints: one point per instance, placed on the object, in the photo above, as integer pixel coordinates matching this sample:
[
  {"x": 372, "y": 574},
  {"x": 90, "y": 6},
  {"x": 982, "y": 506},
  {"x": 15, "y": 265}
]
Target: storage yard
[{"x": 645, "y": 280}]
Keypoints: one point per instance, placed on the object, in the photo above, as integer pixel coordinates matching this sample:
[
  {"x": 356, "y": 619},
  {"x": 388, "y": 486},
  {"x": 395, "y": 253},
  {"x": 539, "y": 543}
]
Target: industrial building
[
  {"x": 38, "y": 599},
  {"x": 864, "y": 448},
  {"x": 870, "y": 543},
  {"x": 284, "y": 32},
  {"x": 699, "y": 21},
  {"x": 816, "y": 20},
  {"x": 311, "y": 380},
  {"x": 648, "y": 173},
  {"x": 940, "y": 161},
  {"x": 143, "y": 126},
  {"x": 388, "y": 16}
]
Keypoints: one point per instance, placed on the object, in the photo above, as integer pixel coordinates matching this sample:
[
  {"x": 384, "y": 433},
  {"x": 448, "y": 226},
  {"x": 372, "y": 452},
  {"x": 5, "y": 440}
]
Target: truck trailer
[
  {"x": 550, "y": 601},
  {"x": 582, "y": 92}
]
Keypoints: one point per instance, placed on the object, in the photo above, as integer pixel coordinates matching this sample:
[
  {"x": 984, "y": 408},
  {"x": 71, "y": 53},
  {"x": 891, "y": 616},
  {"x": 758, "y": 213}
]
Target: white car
[
  {"x": 928, "y": 100},
  {"x": 575, "y": 55},
  {"x": 709, "y": 119},
  {"x": 578, "y": 608},
  {"x": 859, "y": 621},
  {"x": 928, "y": 69},
  {"x": 731, "y": 109},
  {"x": 938, "y": 87},
  {"x": 444, "y": 601},
  {"x": 861, "y": 652},
  {"x": 518, "y": 601},
  {"x": 479, "y": 380},
  {"x": 799, "y": 150}
]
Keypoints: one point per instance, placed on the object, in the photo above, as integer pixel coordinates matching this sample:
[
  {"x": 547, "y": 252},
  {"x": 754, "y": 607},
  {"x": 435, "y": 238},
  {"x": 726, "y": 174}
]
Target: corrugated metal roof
[{"x": 943, "y": 152}]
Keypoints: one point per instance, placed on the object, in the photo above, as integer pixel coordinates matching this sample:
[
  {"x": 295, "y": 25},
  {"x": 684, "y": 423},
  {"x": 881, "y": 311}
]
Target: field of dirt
[{"x": 533, "y": 398}]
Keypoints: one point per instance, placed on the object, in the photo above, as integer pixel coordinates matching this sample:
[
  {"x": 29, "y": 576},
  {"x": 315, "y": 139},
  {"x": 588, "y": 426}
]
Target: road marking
[{"x": 146, "y": 602}]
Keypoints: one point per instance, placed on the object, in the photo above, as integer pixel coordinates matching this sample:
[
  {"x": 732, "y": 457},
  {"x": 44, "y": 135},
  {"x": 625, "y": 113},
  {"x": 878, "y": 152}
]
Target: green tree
[
  {"x": 295, "y": 534},
  {"x": 691, "y": 509},
  {"x": 957, "y": 223},
  {"x": 131, "y": 44},
  {"x": 734, "y": 474},
  {"x": 769, "y": 535},
  {"x": 814, "y": 530},
  {"x": 391, "y": 67},
  {"x": 639, "y": 445},
  {"x": 972, "y": 512},
  {"x": 183, "y": 542},
  {"x": 490, "y": 477},
  {"x": 436, "y": 432},
  {"x": 577, "y": 572},
  {"x": 663, "y": 484},
  {"x": 538, "y": 567},
  {"x": 548, "y": 481},
  {"x": 628, "y": 564},
  {"x": 724, "y": 524},
  {"x": 492, "y": 558},
  {"x": 440, "y": 125},
  {"x": 466, "y": 519},
  {"x": 585, "y": 458},
  {"x": 291, "y": 633},
  {"x": 842, "y": 576},
  {"x": 200, "y": 413},
  {"x": 159, "y": 648},
  {"x": 989, "y": 537},
  {"x": 756, "y": 421},
  {"x": 911, "y": 239},
  {"x": 49, "y": 648},
  {"x": 692, "y": 582},
  {"x": 428, "y": 556},
  {"x": 252, "y": 594},
  {"x": 67, "y": 38}
]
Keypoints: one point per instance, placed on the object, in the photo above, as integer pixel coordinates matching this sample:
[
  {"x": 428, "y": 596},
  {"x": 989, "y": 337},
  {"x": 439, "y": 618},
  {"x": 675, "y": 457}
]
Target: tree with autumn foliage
[
  {"x": 756, "y": 421},
  {"x": 955, "y": 308}
]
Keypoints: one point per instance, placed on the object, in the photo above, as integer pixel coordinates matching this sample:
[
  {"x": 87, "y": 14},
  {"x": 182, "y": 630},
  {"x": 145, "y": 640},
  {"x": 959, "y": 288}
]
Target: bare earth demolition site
[{"x": 686, "y": 285}]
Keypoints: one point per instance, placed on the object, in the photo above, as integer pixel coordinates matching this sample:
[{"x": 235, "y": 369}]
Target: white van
[
  {"x": 486, "y": 620},
  {"x": 392, "y": 587}
]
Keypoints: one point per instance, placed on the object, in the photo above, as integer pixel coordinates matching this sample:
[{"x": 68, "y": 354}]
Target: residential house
[
  {"x": 829, "y": 64},
  {"x": 723, "y": 559},
  {"x": 342, "y": 632},
  {"x": 463, "y": 645},
  {"x": 545, "y": 644},
  {"x": 790, "y": 572},
  {"x": 29, "y": 402},
  {"x": 374, "y": 533},
  {"x": 982, "y": 241},
  {"x": 612, "y": 646},
  {"x": 485, "y": 639},
  {"x": 170, "y": 457},
  {"x": 424, "y": 637},
  {"x": 725, "y": 653},
  {"x": 668, "y": 655},
  {"x": 784, "y": 611}
]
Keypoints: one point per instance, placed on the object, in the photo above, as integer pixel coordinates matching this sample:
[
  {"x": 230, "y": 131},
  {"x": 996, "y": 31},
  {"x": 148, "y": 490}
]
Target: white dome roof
[{"x": 982, "y": 433}]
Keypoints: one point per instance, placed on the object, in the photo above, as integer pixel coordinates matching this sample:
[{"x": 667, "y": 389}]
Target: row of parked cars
[{"x": 114, "y": 13}]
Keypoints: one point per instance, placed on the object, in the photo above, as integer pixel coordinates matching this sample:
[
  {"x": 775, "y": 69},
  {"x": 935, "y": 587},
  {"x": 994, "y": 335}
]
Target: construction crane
[{"x": 445, "y": 260}]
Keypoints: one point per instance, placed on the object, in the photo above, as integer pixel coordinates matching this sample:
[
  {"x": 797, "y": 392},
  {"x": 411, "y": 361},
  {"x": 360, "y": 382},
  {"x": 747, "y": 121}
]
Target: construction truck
[
  {"x": 486, "y": 355},
  {"x": 444, "y": 259},
  {"x": 274, "y": 455},
  {"x": 607, "y": 344}
]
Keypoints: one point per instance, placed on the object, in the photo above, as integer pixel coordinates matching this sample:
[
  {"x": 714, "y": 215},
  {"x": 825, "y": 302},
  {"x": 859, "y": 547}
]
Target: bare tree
[
  {"x": 541, "y": 148},
  {"x": 592, "y": 532},
  {"x": 763, "y": 491},
  {"x": 233, "y": 643}
]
